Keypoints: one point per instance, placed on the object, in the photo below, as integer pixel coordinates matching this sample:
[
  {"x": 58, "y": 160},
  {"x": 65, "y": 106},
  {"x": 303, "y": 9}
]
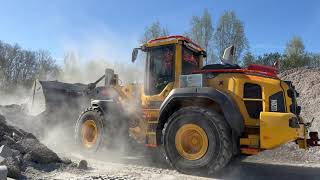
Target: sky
[{"x": 110, "y": 29}]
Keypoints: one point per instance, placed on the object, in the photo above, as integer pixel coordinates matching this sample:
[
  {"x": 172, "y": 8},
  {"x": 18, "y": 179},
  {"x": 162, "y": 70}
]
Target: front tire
[
  {"x": 89, "y": 130},
  {"x": 197, "y": 141}
]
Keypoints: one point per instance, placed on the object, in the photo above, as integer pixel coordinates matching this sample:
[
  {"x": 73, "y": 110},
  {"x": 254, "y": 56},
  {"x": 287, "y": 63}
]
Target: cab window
[
  {"x": 252, "y": 96},
  {"x": 159, "y": 69},
  {"x": 190, "y": 61}
]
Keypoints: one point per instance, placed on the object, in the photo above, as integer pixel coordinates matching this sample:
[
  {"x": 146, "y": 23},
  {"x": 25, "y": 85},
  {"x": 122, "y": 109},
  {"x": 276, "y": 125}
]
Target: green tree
[
  {"x": 295, "y": 55},
  {"x": 201, "y": 32},
  {"x": 248, "y": 59},
  {"x": 295, "y": 47},
  {"x": 230, "y": 31},
  {"x": 268, "y": 59},
  {"x": 153, "y": 31}
]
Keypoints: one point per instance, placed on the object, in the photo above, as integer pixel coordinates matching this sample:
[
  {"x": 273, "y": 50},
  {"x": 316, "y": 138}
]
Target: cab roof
[{"x": 165, "y": 40}]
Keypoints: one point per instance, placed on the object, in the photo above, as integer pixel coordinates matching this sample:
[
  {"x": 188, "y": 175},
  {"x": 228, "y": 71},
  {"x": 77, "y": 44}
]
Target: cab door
[{"x": 160, "y": 79}]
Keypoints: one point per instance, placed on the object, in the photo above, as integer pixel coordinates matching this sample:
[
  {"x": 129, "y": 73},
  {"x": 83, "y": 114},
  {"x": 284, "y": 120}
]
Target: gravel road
[{"x": 138, "y": 166}]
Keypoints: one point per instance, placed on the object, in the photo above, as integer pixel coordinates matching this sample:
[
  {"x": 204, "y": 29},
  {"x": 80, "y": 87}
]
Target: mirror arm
[{"x": 134, "y": 54}]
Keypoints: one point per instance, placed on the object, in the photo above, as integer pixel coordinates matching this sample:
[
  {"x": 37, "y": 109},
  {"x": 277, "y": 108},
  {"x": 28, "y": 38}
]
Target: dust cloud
[
  {"x": 81, "y": 68},
  {"x": 77, "y": 70},
  {"x": 56, "y": 128}
]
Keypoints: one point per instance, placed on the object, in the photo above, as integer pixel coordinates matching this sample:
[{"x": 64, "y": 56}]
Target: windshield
[{"x": 159, "y": 69}]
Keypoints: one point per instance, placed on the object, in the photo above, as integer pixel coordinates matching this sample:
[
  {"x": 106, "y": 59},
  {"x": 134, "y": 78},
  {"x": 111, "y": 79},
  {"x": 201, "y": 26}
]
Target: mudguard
[
  {"x": 107, "y": 106},
  {"x": 230, "y": 109}
]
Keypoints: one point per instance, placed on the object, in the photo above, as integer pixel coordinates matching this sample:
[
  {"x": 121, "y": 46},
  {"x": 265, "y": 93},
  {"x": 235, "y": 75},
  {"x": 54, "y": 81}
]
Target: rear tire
[{"x": 197, "y": 141}]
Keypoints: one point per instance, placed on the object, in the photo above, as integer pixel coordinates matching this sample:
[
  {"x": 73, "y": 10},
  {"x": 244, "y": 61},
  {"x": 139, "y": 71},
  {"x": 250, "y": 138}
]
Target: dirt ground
[
  {"x": 136, "y": 167},
  {"x": 133, "y": 163}
]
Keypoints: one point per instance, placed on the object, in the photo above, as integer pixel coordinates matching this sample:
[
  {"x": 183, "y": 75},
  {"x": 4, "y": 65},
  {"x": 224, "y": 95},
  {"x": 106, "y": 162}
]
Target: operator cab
[{"x": 166, "y": 59}]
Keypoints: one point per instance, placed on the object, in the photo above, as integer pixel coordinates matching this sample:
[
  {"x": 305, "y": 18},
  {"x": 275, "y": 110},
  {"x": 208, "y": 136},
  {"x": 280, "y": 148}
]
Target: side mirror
[
  {"x": 134, "y": 54},
  {"x": 228, "y": 55}
]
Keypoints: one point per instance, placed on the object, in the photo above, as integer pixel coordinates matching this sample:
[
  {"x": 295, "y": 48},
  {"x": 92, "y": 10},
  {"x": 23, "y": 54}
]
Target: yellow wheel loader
[{"x": 201, "y": 116}]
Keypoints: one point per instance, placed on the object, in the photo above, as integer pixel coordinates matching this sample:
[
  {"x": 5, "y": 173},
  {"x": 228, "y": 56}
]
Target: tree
[
  {"x": 294, "y": 47},
  {"x": 295, "y": 55},
  {"x": 46, "y": 65},
  {"x": 230, "y": 31},
  {"x": 154, "y": 31},
  {"x": 20, "y": 67},
  {"x": 268, "y": 59},
  {"x": 248, "y": 59},
  {"x": 201, "y": 32}
]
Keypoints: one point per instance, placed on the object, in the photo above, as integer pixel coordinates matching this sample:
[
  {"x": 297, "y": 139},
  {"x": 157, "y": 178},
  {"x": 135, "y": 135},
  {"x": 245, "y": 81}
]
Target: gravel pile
[
  {"x": 307, "y": 83},
  {"x": 20, "y": 150}
]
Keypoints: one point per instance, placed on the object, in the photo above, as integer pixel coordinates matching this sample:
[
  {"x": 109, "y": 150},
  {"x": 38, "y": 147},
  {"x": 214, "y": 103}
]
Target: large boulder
[
  {"x": 14, "y": 168},
  {"x": 2, "y": 160},
  {"x": 3, "y": 172},
  {"x": 38, "y": 152},
  {"x": 5, "y": 151},
  {"x": 2, "y": 119},
  {"x": 12, "y": 160}
]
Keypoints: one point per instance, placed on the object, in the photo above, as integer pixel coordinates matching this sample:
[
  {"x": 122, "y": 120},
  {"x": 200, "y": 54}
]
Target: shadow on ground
[
  {"x": 238, "y": 169},
  {"x": 241, "y": 170}
]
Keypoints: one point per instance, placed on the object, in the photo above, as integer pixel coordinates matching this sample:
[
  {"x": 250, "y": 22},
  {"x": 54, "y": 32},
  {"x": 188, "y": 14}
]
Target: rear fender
[{"x": 228, "y": 106}]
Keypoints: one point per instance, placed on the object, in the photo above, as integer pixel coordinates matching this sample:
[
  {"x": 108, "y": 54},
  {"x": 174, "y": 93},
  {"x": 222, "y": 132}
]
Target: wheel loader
[{"x": 200, "y": 116}]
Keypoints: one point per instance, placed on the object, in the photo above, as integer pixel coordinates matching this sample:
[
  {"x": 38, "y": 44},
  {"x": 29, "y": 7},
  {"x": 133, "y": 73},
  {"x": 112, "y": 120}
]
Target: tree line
[
  {"x": 294, "y": 56},
  {"x": 20, "y": 67},
  {"x": 229, "y": 31}
]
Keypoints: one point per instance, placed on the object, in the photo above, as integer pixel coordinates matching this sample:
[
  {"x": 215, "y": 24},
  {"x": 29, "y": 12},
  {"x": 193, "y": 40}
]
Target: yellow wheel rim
[
  {"x": 191, "y": 142},
  {"x": 89, "y": 133}
]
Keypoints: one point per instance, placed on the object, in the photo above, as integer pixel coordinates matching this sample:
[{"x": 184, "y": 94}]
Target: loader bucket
[
  {"x": 59, "y": 94},
  {"x": 62, "y": 101}
]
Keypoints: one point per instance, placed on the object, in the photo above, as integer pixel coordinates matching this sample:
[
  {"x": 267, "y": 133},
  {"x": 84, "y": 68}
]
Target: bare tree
[
  {"x": 230, "y": 31},
  {"x": 153, "y": 31},
  {"x": 19, "y": 67},
  {"x": 202, "y": 32}
]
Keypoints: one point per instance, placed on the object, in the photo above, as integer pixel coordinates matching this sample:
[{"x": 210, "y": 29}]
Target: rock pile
[
  {"x": 20, "y": 149},
  {"x": 18, "y": 116}
]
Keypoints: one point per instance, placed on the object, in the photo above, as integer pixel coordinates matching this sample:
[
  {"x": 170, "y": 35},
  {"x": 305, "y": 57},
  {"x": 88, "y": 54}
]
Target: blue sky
[{"x": 110, "y": 29}]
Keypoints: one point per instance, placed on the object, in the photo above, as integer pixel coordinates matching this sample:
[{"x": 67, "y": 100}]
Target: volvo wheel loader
[{"x": 200, "y": 116}]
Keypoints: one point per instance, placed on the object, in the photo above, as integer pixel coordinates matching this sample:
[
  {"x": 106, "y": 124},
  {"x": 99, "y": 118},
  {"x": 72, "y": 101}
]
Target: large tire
[
  {"x": 91, "y": 119},
  {"x": 197, "y": 141}
]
